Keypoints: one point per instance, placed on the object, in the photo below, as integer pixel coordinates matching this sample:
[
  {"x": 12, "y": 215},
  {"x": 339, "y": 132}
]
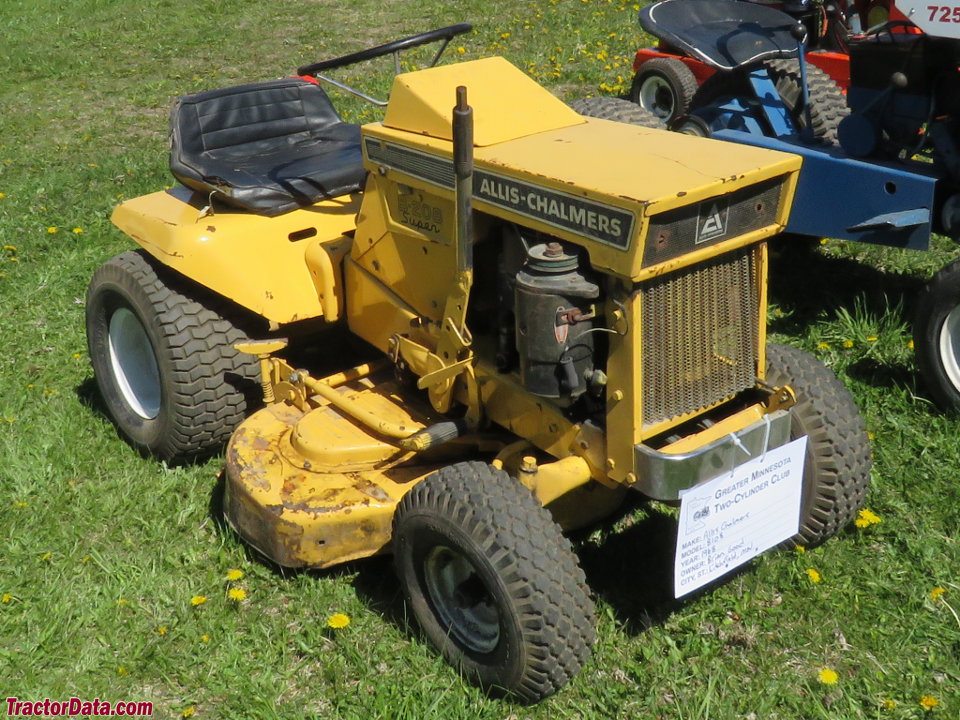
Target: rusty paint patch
[
  {"x": 369, "y": 488},
  {"x": 260, "y": 443},
  {"x": 276, "y": 510}
]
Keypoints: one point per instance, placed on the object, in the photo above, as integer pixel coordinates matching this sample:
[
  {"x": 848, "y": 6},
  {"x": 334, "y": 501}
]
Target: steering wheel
[{"x": 446, "y": 34}]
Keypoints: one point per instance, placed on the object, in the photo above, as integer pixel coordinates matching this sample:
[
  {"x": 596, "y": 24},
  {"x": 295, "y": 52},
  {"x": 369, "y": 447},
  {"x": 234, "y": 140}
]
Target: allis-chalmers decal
[{"x": 604, "y": 223}]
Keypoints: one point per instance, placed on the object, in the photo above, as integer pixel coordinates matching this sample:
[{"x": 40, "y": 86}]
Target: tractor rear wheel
[
  {"x": 836, "y": 470},
  {"x": 617, "y": 109},
  {"x": 827, "y": 103},
  {"x": 936, "y": 336},
  {"x": 492, "y": 581},
  {"x": 163, "y": 357},
  {"x": 664, "y": 86}
]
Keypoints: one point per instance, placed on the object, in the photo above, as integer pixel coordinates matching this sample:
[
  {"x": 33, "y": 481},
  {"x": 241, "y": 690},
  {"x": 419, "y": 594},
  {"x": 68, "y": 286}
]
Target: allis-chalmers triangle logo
[{"x": 712, "y": 222}]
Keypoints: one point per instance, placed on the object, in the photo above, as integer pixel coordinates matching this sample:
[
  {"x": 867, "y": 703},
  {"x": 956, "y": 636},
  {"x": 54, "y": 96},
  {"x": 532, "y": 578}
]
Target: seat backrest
[
  {"x": 250, "y": 119},
  {"x": 724, "y": 34}
]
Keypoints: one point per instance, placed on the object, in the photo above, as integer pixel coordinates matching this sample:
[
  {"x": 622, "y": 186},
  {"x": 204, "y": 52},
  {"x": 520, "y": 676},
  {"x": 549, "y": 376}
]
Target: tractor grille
[{"x": 700, "y": 335}]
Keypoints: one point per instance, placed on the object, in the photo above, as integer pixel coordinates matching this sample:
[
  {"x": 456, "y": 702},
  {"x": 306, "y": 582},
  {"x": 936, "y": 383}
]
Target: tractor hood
[{"x": 640, "y": 200}]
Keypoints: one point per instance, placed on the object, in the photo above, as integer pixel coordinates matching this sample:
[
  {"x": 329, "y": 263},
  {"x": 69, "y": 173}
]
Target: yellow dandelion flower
[
  {"x": 828, "y": 676},
  {"x": 461, "y": 50},
  {"x": 813, "y": 575},
  {"x": 338, "y": 621},
  {"x": 237, "y": 594},
  {"x": 46, "y": 556},
  {"x": 77, "y": 356},
  {"x": 14, "y": 259},
  {"x": 7, "y": 597},
  {"x": 188, "y": 711},
  {"x": 929, "y": 702},
  {"x": 848, "y": 344},
  {"x": 122, "y": 601},
  {"x": 910, "y": 344},
  {"x": 77, "y": 230},
  {"x": 824, "y": 241},
  {"x": 866, "y": 518},
  {"x": 800, "y": 549},
  {"x": 870, "y": 436},
  {"x": 52, "y": 229},
  {"x": 234, "y": 574},
  {"x": 889, "y": 704},
  {"x": 10, "y": 248},
  {"x": 2, "y": 195},
  {"x": 823, "y": 346},
  {"x": 198, "y": 600},
  {"x": 121, "y": 670},
  {"x": 937, "y": 593},
  {"x": 162, "y": 630},
  {"x": 870, "y": 516},
  {"x": 204, "y": 639},
  {"x": 504, "y": 35},
  {"x": 85, "y": 559}
]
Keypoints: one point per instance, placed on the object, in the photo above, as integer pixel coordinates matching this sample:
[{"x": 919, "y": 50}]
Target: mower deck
[{"x": 315, "y": 488}]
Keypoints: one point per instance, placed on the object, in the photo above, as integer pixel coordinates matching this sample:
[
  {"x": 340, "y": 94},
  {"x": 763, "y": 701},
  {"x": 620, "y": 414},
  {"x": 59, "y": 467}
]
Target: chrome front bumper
[{"x": 663, "y": 476}]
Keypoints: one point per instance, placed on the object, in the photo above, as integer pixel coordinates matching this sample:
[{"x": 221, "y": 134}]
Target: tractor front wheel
[
  {"x": 836, "y": 470},
  {"x": 492, "y": 581},
  {"x": 936, "y": 336},
  {"x": 163, "y": 357}
]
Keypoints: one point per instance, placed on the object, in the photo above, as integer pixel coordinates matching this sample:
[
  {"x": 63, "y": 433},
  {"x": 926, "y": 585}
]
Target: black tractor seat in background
[
  {"x": 267, "y": 147},
  {"x": 725, "y": 34}
]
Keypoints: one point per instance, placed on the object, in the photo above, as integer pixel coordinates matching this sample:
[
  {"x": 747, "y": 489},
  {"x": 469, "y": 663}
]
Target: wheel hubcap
[
  {"x": 950, "y": 347},
  {"x": 461, "y": 599},
  {"x": 657, "y": 96},
  {"x": 134, "y": 364}
]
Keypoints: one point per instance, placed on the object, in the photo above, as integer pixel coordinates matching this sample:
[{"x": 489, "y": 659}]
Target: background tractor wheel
[
  {"x": 617, "y": 109},
  {"x": 836, "y": 470},
  {"x": 492, "y": 581},
  {"x": 936, "y": 336},
  {"x": 827, "y": 103},
  {"x": 163, "y": 357},
  {"x": 691, "y": 125},
  {"x": 664, "y": 86}
]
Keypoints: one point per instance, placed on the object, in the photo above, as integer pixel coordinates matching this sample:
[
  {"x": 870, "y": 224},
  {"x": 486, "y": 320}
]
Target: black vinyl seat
[
  {"x": 725, "y": 34},
  {"x": 267, "y": 147}
]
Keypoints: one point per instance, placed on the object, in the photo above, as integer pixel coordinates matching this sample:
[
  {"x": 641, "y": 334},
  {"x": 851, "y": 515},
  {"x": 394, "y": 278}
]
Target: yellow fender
[{"x": 285, "y": 268}]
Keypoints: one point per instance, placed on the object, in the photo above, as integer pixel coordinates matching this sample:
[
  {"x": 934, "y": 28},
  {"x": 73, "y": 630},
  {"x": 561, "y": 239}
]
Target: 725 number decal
[{"x": 947, "y": 14}]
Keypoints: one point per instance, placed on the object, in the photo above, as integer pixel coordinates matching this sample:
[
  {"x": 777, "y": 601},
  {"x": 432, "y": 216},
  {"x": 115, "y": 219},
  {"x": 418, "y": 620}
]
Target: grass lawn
[{"x": 104, "y": 556}]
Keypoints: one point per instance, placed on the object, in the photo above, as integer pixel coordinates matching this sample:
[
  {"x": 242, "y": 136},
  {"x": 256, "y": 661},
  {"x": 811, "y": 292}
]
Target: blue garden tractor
[{"x": 881, "y": 165}]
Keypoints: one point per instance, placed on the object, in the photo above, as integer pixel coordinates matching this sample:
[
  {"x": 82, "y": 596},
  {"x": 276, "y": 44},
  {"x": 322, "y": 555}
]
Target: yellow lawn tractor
[{"x": 557, "y": 308}]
